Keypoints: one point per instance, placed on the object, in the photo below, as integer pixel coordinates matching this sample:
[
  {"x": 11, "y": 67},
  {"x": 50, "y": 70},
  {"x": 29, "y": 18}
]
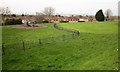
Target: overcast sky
[{"x": 81, "y": 7}]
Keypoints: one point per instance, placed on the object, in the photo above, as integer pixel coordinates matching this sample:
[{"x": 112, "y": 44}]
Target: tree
[
  {"x": 4, "y": 11},
  {"x": 100, "y": 16},
  {"x": 22, "y": 15},
  {"x": 108, "y": 13},
  {"x": 48, "y": 12},
  {"x": 39, "y": 17},
  {"x": 14, "y": 15},
  {"x": 80, "y": 16}
]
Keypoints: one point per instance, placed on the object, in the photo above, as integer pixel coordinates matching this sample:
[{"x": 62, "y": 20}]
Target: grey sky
[{"x": 81, "y": 7}]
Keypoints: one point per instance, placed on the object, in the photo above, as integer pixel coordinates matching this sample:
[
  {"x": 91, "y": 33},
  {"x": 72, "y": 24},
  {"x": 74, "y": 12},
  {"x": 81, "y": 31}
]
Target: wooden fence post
[
  {"x": 3, "y": 48},
  {"x": 23, "y": 45},
  {"x": 73, "y": 35},
  {"x": 78, "y": 33},
  {"x": 40, "y": 41}
]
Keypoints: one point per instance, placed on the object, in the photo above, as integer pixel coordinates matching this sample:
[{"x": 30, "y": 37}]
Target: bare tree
[
  {"x": 5, "y": 10},
  {"x": 80, "y": 16},
  {"x": 108, "y": 13},
  {"x": 39, "y": 17},
  {"x": 48, "y": 12}
]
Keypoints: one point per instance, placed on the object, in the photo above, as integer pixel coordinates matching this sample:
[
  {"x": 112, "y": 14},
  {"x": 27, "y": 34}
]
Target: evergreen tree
[{"x": 100, "y": 16}]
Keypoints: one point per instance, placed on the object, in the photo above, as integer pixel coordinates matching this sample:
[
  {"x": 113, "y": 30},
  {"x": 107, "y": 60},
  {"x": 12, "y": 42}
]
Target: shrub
[
  {"x": 81, "y": 21},
  {"x": 13, "y": 21},
  {"x": 22, "y": 15},
  {"x": 100, "y": 16},
  {"x": 64, "y": 21},
  {"x": 14, "y": 15},
  {"x": 45, "y": 21}
]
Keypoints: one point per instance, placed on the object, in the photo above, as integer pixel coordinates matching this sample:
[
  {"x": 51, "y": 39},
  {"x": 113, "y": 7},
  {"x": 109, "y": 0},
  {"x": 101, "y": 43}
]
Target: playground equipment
[{"x": 29, "y": 24}]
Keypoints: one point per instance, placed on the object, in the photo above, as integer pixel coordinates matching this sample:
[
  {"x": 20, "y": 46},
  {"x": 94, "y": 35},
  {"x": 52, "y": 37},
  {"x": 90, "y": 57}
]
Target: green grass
[
  {"x": 93, "y": 27},
  {"x": 12, "y": 34},
  {"x": 95, "y": 49}
]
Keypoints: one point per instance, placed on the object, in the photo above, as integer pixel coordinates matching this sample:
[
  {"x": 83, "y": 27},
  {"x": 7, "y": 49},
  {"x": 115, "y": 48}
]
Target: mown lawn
[
  {"x": 95, "y": 49},
  {"x": 11, "y": 34},
  {"x": 93, "y": 27}
]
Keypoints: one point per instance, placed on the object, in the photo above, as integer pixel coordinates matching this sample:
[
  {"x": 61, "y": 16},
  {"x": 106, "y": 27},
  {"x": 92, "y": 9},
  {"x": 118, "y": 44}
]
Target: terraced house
[{"x": 55, "y": 18}]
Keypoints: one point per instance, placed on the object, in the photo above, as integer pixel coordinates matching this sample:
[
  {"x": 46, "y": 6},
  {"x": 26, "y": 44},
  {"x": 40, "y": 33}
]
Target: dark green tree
[
  {"x": 22, "y": 15},
  {"x": 14, "y": 15},
  {"x": 100, "y": 16}
]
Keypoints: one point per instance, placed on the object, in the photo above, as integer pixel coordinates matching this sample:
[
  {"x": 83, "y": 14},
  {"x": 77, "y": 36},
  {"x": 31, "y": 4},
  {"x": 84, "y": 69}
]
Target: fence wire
[{"x": 26, "y": 45}]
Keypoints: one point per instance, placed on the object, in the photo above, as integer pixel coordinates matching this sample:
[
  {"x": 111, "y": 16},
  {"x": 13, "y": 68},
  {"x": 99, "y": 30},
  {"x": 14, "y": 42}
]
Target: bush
[
  {"x": 64, "y": 21},
  {"x": 14, "y": 15},
  {"x": 81, "y": 21},
  {"x": 45, "y": 21},
  {"x": 13, "y": 21},
  {"x": 100, "y": 16}
]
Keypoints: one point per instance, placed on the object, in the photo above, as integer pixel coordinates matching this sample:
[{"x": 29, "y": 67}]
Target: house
[
  {"x": 54, "y": 18},
  {"x": 64, "y": 18},
  {"x": 73, "y": 19}
]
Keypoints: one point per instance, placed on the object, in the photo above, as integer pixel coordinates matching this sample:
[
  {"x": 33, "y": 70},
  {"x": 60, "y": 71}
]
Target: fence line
[
  {"x": 76, "y": 32},
  {"x": 26, "y": 45}
]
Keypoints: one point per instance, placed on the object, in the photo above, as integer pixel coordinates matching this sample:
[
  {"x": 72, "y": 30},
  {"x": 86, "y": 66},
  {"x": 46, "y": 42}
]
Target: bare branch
[
  {"x": 5, "y": 10},
  {"x": 48, "y": 11},
  {"x": 108, "y": 13},
  {"x": 39, "y": 17}
]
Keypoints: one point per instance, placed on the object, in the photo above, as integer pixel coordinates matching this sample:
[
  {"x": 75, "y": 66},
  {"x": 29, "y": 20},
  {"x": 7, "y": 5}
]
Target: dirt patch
[{"x": 30, "y": 27}]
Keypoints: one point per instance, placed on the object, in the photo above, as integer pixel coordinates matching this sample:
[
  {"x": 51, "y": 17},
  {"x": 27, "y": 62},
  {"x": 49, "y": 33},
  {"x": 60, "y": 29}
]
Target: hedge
[
  {"x": 64, "y": 21},
  {"x": 13, "y": 21}
]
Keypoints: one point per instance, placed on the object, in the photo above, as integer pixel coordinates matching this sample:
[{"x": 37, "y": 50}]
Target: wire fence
[
  {"x": 26, "y": 45},
  {"x": 76, "y": 32}
]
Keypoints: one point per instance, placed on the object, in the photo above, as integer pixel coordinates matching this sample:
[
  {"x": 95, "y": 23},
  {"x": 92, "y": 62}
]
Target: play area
[{"x": 30, "y": 25}]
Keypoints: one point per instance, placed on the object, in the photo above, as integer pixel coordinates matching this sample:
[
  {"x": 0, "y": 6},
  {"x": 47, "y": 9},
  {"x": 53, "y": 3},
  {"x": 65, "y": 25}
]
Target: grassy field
[
  {"x": 94, "y": 27},
  {"x": 12, "y": 34},
  {"x": 95, "y": 49}
]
